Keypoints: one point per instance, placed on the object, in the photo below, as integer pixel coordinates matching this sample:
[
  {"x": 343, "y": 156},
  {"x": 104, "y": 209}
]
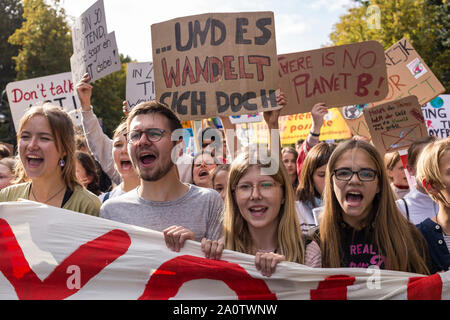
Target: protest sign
[
  {"x": 395, "y": 125},
  {"x": 58, "y": 89},
  {"x": 437, "y": 116},
  {"x": 338, "y": 76},
  {"x": 246, "y": 118},
  {"x": 217, "y": 64},
  {"x": 407, "y": 74},
  {"x": 295, "y": 127},
  {"x": 54, "y": 254},
  {"x": 140, "y": 83},
  {"x": 94, "y": 49}
]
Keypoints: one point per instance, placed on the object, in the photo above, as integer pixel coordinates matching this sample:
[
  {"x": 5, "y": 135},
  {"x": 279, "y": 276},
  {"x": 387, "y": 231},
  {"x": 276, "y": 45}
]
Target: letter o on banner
[{"x": 167, "y": 280}]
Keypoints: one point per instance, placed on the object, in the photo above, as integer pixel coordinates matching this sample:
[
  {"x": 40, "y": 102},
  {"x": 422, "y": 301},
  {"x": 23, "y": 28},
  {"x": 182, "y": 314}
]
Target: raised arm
[{"x": 98, "y": 142}]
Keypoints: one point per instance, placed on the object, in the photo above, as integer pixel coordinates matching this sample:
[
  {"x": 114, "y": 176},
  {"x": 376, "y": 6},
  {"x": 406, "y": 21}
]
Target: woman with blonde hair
[
  {"x": 433, "y": 169},
  {"x": 361, "y": 224},
  {"x": 260, "y": 217},
  {"x": 46, "y": 144}
]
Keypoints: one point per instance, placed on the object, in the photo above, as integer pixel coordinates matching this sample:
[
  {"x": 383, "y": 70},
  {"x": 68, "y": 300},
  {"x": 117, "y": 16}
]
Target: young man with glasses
[{"x": 162, "y": 202}]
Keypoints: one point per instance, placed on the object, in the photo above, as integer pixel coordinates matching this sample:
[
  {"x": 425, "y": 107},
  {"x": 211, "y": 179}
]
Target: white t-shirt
[{"x": 420, "y": 206}]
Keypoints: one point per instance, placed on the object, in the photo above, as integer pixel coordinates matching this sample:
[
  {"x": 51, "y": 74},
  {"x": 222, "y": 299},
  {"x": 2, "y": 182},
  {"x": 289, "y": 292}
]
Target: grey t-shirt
[{"x": 199, "y": 210}]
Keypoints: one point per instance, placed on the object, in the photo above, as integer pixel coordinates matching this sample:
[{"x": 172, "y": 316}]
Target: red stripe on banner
[
  {"x": 171, "y": 275},
  {"x": 89, "y": 259},
  {"x": 332, "y": 288},
  {"x": 425, "y": 288}
]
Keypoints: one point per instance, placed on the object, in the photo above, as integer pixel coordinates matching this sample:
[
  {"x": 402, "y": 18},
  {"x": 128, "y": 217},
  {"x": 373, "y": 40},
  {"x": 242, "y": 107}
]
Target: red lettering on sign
[{"x": 171, "y": 275}]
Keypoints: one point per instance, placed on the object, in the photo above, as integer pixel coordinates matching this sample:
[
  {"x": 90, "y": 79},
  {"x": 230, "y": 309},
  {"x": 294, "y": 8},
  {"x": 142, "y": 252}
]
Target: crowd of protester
[{"x": 325, "y": 205}]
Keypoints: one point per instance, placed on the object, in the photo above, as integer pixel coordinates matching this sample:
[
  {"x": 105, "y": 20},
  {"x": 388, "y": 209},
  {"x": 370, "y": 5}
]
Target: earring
[{"x": 61, "y": 163}]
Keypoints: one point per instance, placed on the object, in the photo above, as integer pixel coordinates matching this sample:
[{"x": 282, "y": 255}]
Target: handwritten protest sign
[
  {"x": 140, "y": 83},
  {"x": 338, "y": 76},
  {"x": 57, "y": 89},
  {"x": 407, "y": 74},
  {"x": 295, "y": 127},
  {"x": 437, "y": 116},
  {"x": 217, "y": 64},
  {"x": 94, "y": 50},
  {"x": 395, "y": 125},
  {"x": 246, "y": 118}
]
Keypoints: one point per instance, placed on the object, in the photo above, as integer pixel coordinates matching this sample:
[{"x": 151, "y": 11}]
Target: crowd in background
[{"x": 325, "y": 204}]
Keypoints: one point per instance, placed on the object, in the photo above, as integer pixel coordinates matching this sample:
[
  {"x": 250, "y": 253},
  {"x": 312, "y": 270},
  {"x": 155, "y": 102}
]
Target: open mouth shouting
[
  {"x": 258, "y": 210},
  {"x": 354, "y": 198},
  {"x": 146, "y": 158},
  {"x": 34, "y": 161},
  {"x": 125, "y": 165}
]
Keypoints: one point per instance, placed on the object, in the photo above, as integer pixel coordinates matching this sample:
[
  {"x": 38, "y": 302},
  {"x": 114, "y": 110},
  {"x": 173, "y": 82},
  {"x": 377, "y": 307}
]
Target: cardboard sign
[
  {"x": 217, "y": 64},
  {"x": 407, "y": 74},
  {"x": 437, "y": 116},
  {"x": 94, "y": 50},
  {"x": 57, "y": 89},
  {"x": 338, "y": 76},
  {"x": 396, "y": 125},
  {"x": 140, "y": 83}
]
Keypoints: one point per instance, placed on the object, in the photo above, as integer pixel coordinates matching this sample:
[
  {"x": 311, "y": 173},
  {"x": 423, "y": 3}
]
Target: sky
[{"x": 300, "y": 25}]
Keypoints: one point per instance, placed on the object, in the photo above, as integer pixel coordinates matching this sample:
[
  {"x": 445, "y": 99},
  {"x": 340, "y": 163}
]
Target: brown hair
[
  {"x": 415, "y": 149},
  {"x": 317, "y": 157},
  {"x": 62, "y": 129},
  {"x": 155, "y": 107},
  {"x": 88, "y": 163},
  {"x": 396, "y": 238}
]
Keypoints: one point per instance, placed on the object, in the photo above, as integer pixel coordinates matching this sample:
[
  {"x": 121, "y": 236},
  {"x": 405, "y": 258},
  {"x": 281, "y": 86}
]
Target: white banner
[
  {"x": 140, "y": 83},
  {"x": 58, "y": 89},
  {"x": 52, "y": 253}
]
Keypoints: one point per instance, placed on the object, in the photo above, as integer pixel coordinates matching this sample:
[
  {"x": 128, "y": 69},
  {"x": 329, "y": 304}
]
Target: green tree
[
  {"x": 425, "y": 23},
  {"x": 10, "y": 19},
  {"x": 44, "y": 40}
]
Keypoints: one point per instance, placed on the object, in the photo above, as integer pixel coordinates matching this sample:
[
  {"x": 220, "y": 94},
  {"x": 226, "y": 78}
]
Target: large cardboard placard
[
  {"x": 94, "y": 50},
  {"x": 140, "y": 83},
  {"x": 407, "y": 74},
  {"x": 216, "y": 64},
  {"x": 57, "y": 89},
  {"x": 395, "y": 125},
  {"x": 437, "y": 116},
  {"x": 338, "y": 76}
]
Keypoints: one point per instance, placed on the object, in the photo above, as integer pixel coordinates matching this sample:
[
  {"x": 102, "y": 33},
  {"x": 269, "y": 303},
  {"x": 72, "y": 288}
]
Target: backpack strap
[
  {"x": 406, "y": 207},
  {"x": 106, "y": 197}
]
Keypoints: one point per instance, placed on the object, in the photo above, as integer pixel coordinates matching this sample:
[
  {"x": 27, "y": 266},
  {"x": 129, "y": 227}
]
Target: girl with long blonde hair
[
  {"x": 361, "y": 224},
  {"x": 260, "y": 217}
]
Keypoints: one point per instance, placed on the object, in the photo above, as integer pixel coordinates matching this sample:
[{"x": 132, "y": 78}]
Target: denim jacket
[{"x": 432, "y": 233}]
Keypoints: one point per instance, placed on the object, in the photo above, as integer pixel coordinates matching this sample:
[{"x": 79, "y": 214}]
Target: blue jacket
[{"x": 432, "y": 233}]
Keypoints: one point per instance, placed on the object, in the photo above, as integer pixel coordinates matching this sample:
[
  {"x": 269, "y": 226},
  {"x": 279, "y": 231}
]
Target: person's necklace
[{"x": 53, "y": 196}]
